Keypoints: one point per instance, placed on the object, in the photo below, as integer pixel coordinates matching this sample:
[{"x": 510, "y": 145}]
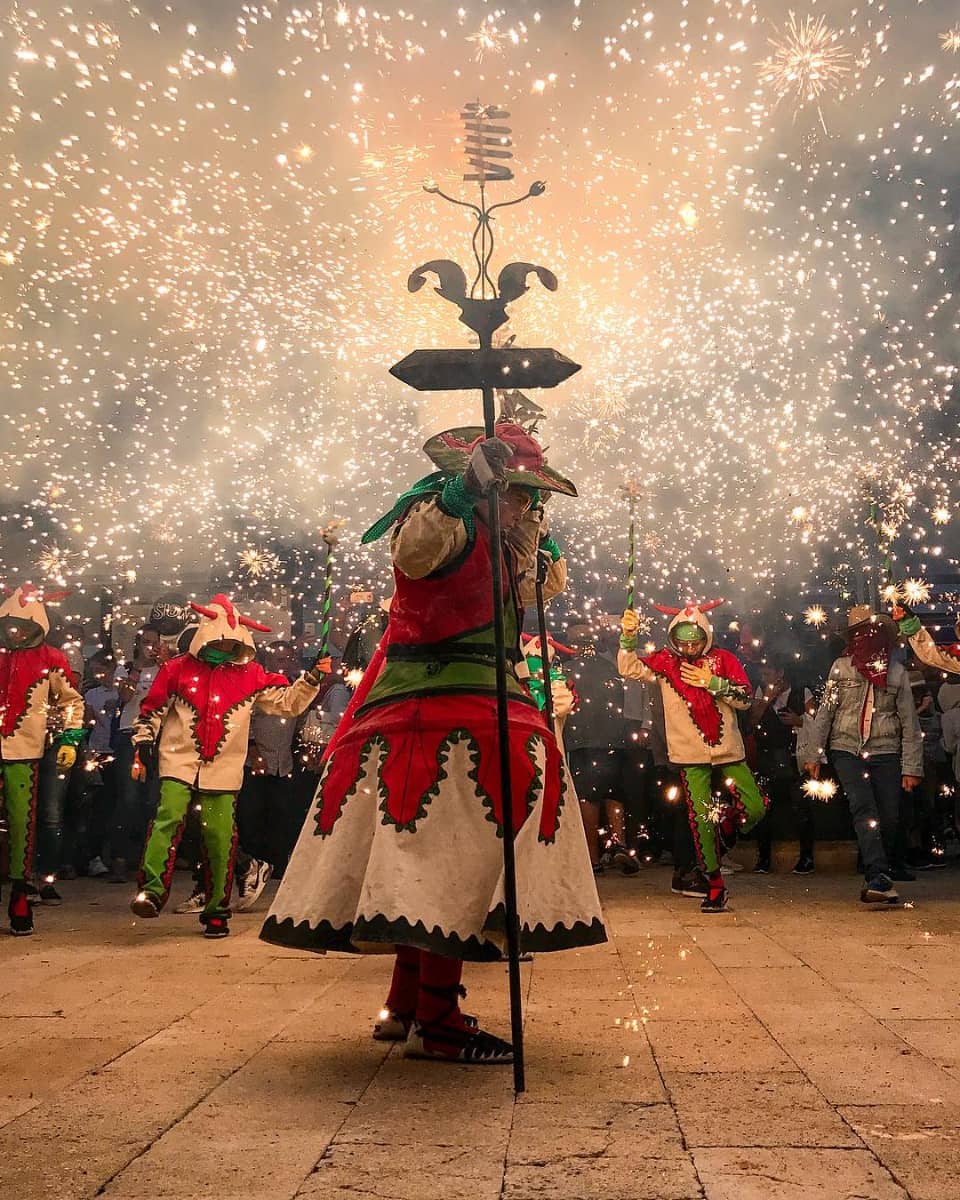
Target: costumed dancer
[
  {"x": 702, "y": 687},
  {"x": 868, "y": 721},
  {"x": 402, "y": 851},
  {"x": 199, "y": 707},
  {"x": 35, "y": 681},
  {"x": 563, "y": 696},
  {"x": 943, "y": 658}
]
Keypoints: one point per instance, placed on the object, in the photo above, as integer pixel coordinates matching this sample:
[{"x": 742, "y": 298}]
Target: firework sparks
[
  {"x": 807, "y": 61},
  {"x": 950, "y": 40},
  {"x": 820, "y": 789},
  {"x": 815, "y": 616},
  {"x": 916, "y": 591},
  {"x": 258, "y": 563}
]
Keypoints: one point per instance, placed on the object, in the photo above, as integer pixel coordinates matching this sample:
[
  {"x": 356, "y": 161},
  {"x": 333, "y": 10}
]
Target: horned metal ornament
[{"x": 483, "y": 309}]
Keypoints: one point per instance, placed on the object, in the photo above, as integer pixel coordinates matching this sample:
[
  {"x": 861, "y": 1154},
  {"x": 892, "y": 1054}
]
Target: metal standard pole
[{"x": 506, "y": 789}]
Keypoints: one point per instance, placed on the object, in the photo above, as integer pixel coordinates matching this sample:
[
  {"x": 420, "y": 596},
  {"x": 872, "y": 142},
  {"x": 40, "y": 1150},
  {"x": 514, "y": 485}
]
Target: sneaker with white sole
[
  {"x": 476, "y": 1048},
  {"x": 252, "y": 883},
  {"x": 195, "y": 903},
  {"x": 97, "y": 868},
  {"x": 879, "y": 890}
]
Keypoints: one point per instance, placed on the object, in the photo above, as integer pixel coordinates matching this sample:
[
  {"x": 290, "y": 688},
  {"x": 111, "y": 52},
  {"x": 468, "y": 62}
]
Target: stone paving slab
[{"x": 799, "y": 1047}]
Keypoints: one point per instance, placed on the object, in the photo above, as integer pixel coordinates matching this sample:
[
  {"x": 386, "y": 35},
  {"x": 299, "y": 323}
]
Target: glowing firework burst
[
  {"x": 487, "y": 40},
  {"x": 815, "y": 616},
  {"x": 820, "y": 789},
  {"x": 806, "y": 63},
  {"x": 55, "y": 562},
  {"x": 950, "y": 40},
  {"x": 940, "y": 515},
  {"x": 916, "y": 591},
  {"x": 258, "y": 563}
]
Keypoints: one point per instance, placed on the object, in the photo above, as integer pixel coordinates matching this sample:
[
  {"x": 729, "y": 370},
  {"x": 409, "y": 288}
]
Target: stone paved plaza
[{"x": 801, "y": 1047}]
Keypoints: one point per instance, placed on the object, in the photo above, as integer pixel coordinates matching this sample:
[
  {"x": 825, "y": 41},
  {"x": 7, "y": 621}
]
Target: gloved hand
[
  {"x": 323, "y": 666},
  {"x": 695, "y": 676},
  {"x": 550, "y": 547},
  {"x": 563, "y": 699},
  {"x": 629, "y": 623},
  {"x": 908, "y": 623},
  {"x": 144, "y": 761},
  {"x": 66, "y": 757},
  {"x": 487, "y": 468}
]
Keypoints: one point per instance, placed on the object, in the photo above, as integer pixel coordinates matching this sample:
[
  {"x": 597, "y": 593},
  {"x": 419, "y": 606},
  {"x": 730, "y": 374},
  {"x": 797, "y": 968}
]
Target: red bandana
[{"x": 869, "y": 650}]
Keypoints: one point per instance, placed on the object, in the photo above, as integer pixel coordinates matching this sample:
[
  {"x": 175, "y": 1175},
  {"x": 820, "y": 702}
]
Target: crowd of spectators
[{"x": 93, "y": 819}]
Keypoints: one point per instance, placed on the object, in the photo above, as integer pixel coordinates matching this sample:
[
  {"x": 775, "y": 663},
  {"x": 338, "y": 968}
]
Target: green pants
[
  {"x": 18, "y": 788},
  {"x": 743, "y": 796},
  {"x": 218, "y": 825}
]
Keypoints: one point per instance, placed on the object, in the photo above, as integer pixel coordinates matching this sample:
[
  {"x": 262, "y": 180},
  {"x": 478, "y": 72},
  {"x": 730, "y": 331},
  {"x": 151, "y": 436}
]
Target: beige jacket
[
  {"x": 685, "y": 744},
  {"x": 927, "y": 650},
  {"x": 202, "y": 712},
  {"x": 429, "y": 538}
]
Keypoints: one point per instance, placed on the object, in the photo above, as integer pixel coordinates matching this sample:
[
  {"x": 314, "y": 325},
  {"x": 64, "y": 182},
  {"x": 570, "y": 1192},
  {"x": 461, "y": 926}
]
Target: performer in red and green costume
[
  {"x": 402, "y": 852},
  {"x": 910, "y": 627},
  {"x": 34, "y": 678},
  {"x": 702, "y": 687},
  {"x": 200, "y": 706}
]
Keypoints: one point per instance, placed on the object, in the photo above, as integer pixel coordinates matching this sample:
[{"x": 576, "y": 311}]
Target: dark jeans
[
  {"x": 52, "y": 788},
  {"x": 872, "y": 788},
  {"x": 267, "y": 818},
  {"x": 136, "y": 805},
  {"x": 780, "y": 781},
  {"x": 643, "y": 796}
]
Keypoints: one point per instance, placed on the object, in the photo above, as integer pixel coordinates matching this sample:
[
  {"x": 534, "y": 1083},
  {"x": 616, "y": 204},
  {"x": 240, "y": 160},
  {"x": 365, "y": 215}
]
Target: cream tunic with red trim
[
  {"x": 686, "y": 745},
  {"x": 202, "y": 714}
]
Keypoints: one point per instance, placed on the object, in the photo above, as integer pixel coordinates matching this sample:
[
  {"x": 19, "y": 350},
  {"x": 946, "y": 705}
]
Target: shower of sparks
[
  {"x": 206, "y": 228},
  {"x": 55, "y": 562},
  {"x": 258, "y": 563},
  {"x": 807, "y": 61},
  {"x": 820, "y": 789},
  {"x": 916, "y": 591},
  {"x": 815, "y": 616},
  {"x": 951, "y": 40}
]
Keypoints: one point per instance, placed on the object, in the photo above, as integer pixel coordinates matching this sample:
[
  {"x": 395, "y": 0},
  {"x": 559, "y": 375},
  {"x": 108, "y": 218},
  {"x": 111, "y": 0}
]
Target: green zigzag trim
[
  {"x": 454, "y": 738},
  {"x": 537, "y": 782},
  {"x": 368, "y": 746}
]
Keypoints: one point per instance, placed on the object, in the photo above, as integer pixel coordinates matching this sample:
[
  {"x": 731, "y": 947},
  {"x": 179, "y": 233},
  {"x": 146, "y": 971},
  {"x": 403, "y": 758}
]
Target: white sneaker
[
  {"x": 196, "y": 902},
  {"x": 252, "y": 884},
  {"x": 730, "y": 866},
  {"x": 97, "y": 867}
]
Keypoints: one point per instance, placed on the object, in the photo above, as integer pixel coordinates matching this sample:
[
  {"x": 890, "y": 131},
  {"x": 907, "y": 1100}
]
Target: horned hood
[
  {"x": 220, "y": 621},
  {"x": 26, "y": 603},
  {"x": 692, "y": 614}
]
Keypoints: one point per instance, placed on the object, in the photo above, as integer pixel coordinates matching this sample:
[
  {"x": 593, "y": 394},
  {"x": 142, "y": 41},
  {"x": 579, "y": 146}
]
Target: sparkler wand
[
  {"x": 632, "y": 493},
  {"x": 331, "y": 535},
  {"x": 489, "y": 150}
]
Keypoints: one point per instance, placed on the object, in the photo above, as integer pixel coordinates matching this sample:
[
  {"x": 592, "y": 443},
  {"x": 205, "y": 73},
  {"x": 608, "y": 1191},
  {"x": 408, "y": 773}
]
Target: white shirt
[{"x": 142, "y": 678}]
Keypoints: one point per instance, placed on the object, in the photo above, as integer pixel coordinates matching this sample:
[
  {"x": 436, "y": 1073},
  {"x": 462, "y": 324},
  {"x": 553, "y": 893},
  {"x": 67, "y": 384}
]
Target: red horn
[
  {"x": 711, "y": 605},
  {"x": 203, "y": 611},
  {"x": 665, "y": 608},
  {"x": 53, "y": 597},
  {"x": 227, "y": 605},
  {"x": 249, "y": 623}
]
